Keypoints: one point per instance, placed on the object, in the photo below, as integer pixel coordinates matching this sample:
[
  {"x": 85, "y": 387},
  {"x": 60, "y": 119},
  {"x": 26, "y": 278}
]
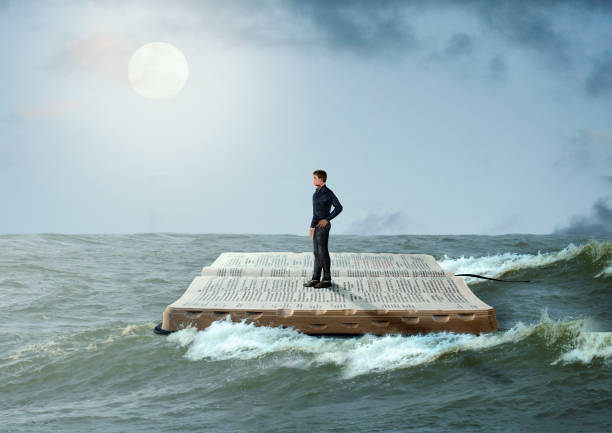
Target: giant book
[{"x": 378, "y": 293}]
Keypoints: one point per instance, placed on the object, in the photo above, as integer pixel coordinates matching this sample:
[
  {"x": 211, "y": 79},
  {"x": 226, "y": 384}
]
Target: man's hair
[{"x": 320, "y": 174}]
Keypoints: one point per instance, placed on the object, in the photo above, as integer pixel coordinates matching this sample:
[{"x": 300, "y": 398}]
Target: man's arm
[
  {"x": 313, "y": 222},
  {"x": 337, "y": 206}
]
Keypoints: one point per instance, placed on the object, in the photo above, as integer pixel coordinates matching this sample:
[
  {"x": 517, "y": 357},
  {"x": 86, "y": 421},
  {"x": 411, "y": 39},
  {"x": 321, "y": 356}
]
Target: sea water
[{"x": 78, "y": 352}]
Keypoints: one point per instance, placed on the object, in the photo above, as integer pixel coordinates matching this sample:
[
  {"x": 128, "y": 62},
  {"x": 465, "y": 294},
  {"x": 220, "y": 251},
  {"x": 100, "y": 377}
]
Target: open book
[{"x": 401, "y": 290}]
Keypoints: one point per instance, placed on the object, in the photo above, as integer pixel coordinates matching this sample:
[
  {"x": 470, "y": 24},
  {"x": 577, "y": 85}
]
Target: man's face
[{"x": 316, "y": 181}]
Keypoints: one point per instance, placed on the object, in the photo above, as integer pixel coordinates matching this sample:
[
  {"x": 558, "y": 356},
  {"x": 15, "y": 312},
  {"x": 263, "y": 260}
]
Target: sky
[{"x": 448, "y": 117}]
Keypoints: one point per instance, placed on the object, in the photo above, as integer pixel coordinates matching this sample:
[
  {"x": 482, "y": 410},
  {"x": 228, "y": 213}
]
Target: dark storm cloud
[
  {"x": 365, "y": 26},
  {"x": 527, "y": 24},
  {"x": 599, "y": 222},
  {"x": 599, "y": 81},
  {"x": 498, "y": 68},
  {"x": 459, "y": 44},
  {"x": 368, "y": 26}
]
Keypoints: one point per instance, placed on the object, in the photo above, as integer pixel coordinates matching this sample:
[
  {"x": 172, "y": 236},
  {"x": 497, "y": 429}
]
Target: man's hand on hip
[{"x": 322, "y": 223}]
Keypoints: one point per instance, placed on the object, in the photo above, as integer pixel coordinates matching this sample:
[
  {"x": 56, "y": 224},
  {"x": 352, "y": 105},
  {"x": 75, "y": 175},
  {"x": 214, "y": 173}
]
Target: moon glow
[{"x": 158, "y": 70}]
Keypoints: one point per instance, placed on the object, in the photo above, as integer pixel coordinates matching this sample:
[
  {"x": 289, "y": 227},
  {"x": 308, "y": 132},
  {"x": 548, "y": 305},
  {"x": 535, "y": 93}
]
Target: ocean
[{"x": 78, "y": 352}]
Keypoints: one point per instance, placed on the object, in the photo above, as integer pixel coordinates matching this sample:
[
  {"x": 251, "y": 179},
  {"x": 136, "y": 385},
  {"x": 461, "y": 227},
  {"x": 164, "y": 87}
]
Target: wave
[
  {"x": 69, "y": 344},
  {"x": 597, "y": 253},
  {"x": 569, "y": 340},
  {"x": 606, "y": 272},
  {"x": 589, "y": 346}
]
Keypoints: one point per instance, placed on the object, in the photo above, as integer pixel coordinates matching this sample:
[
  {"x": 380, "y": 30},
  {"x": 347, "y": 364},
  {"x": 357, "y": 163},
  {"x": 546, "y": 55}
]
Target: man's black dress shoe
[
  {"x": 311, "y": 283},
  {"x": 322, "y": 284}
]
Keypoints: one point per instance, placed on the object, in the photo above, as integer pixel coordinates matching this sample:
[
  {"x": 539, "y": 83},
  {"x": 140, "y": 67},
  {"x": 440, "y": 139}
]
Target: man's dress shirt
[{"x": 322, "y": 200}]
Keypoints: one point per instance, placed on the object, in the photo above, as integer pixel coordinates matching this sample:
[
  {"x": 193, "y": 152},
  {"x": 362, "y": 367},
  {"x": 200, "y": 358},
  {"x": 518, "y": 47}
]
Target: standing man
[{"x": 322, "y": 200}]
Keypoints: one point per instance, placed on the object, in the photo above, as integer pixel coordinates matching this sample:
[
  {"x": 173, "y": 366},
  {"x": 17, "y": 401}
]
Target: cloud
[
  {"x": 550, "y": 32},
  {"x": 359, "y": 26},
  {"x": 384, "y": 224},
  {"x": 589, "y": 150},
  {"x": 599, "y": 222},
  {"x": 529, "y": 25},
  {"x": 364, "y": 25},
  {"x": 383, "y": 28},
  {"x": 599, "y": 81},
  {"x": 98, "y": 52},
  {"x": 498, "y": 69},
  {"x": 48, "y": 109},
  {"x": 459, "y": 45}
]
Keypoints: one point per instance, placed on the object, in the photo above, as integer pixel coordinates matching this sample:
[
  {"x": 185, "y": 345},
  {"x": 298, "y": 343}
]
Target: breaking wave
[
  {"x": 596, "y": 253},
  {"x": 566, "y": 340}
]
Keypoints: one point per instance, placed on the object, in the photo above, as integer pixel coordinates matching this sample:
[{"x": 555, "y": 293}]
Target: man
[{"x": 322, "y": 200}]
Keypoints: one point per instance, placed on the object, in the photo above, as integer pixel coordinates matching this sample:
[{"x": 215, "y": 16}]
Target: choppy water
[{"x": 77, "y": 351}]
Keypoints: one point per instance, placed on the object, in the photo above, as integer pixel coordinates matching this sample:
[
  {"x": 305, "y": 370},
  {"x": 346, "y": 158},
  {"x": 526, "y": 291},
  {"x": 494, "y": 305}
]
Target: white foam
[
  {"x": 606, "y": 272},
  {"x": 50, "y": 348},
  {"x": 589, "y": 346},
  {"x": 136, "y": 329},
  {"x": 225, "y": 340},
  {"x": 69, "y": 344},
  {"x": 498, "y": 264}
]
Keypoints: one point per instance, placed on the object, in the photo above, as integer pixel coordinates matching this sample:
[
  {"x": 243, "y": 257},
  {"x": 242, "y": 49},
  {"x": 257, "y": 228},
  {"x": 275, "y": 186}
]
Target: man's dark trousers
[{"x": 321, "y": 254}]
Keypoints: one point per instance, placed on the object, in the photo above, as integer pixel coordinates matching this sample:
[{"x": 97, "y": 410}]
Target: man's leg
[
  {"x": 316, "y": 273},
  {"x": 324, "y": 252}
]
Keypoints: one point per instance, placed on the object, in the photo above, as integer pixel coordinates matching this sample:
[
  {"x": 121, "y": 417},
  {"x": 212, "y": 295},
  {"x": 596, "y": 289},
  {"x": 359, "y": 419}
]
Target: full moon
[{"x": 158, "y": 70}]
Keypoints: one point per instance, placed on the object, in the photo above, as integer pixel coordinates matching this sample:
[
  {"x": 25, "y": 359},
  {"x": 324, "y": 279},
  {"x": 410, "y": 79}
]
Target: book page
[
  {"x": 265, "y": 293},
  {"x": 307, "y": 273},
  {"x": 288, "y": 264}
]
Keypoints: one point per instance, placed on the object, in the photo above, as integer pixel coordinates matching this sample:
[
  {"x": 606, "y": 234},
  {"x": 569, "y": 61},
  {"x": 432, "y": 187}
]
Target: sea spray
[{"x": 225, "y": 340}]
